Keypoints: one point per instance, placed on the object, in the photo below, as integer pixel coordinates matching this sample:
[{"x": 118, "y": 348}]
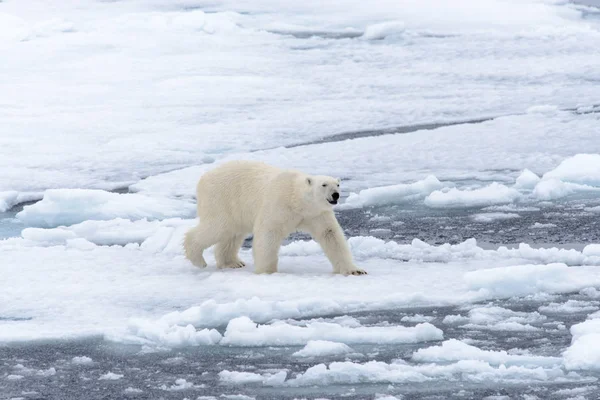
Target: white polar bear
[{"x": 243, "y": 197}]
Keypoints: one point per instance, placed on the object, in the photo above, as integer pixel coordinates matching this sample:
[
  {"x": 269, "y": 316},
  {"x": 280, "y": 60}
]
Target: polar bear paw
[
  {"x": 355, "y": 271},
  {"x": 234, "y": 264}
]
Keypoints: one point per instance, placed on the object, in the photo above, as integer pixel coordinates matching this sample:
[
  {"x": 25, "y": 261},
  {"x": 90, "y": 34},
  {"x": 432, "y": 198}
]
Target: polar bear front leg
[
  {"x": 226, "y": 252},
  {"x": 265, "y": 249},
  {"x": 326, "y": 230}
]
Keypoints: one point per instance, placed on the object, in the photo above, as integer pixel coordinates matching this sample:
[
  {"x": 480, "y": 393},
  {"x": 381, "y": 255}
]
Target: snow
[
  {"x": 243, "y": 332},
  {"x": 321, "y": 348},
  {"x": 139, "y": 309},
  {"x": 495, "y": 193},
  {"x": 71, "y": 206}
]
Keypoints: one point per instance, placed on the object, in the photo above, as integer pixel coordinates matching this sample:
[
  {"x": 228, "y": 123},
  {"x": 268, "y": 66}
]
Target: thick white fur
[{"x": 243, "y": 197}]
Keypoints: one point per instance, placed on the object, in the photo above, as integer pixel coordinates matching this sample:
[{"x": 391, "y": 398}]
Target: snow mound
[
  {"x": 71, "y": 206},
  {"x": 394, "y": 194},
  {"x": 243, "y": 332},
  {"x": 491, "y": 217},
  {"x": 454, "y": 350},
  {"x": 495, "y": 193},
  {"x": 322, "y": 348}
]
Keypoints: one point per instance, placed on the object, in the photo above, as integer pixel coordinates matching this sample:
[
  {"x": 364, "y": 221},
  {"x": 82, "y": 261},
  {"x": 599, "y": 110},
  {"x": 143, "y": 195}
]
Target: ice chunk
[
  {"x": 417, "y": 318},
  {"x": 495, "y": 193},
  {"x": 400, "y": 372},
  {"x": 454, "y": 350},
  {"x": 583, "y": 169},
  {"x": 527, "y": 180},
  {"x": 584, "y": 352},
  {"x": 132, "y": 390},
  {"x": 552, "y": 189},
  {"x": 71, "y": 206},
  {"x": 180, "y": 384},
  {"x": 569, "y": 307},
  {"x": 521, "y": 280},
  {"x": 83, "y": 360},
  {"x": 502, "y": 319},
  {"x": 9, "y": 199},
  {"x": 538, "y": 225},
  {"x": 243, "y": 332},
  {"x": 381, "y": 30},
  {"x": 591, "y": 250},
  {"x": 322, "y": 348},
  {"x": 241, "y": 378},
  {"x": 491, "y": 217},
  {"x": 159, "y": 332},
  {"x": 392, "y": 194},
  {"x": 110, "y": 376}
]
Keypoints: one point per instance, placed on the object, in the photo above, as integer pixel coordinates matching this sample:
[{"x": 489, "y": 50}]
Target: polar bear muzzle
[{"x": 335, "y": 196}]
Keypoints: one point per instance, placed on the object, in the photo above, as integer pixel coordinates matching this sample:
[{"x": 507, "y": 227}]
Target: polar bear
[{"x": 240, "y": 198}]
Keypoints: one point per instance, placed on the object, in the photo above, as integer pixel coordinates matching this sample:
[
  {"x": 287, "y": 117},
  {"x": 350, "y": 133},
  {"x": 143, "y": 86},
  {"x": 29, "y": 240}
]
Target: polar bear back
[{"x": 234, "y": 193}]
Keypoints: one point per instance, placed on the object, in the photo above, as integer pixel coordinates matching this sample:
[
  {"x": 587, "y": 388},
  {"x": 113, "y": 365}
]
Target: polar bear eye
[{"x": 324, "y": 185}]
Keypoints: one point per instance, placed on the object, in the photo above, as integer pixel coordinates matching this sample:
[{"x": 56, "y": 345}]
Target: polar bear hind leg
[
  {"x": 226, "y": 252},
  {"x": 197, "y": 240}
]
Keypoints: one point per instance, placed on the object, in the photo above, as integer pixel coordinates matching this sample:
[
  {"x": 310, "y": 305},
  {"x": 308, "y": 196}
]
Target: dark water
[{"x": 152, "y": 375}]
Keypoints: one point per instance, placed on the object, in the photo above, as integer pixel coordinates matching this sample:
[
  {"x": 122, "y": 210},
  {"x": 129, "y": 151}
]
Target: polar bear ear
[{"x": 309, "y": 181}]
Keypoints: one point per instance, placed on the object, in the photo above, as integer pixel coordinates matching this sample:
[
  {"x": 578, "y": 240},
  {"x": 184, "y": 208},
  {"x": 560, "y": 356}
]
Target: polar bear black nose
[{"x": 335, "y": 195}]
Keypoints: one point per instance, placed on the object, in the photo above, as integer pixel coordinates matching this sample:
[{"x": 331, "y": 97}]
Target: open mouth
[{"x": 332, "y": 201}]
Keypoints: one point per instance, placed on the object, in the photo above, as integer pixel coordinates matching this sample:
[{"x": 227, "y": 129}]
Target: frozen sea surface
[{"x": 466, "y": 138}]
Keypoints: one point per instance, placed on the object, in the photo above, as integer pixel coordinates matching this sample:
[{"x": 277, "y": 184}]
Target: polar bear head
[{"x": 325, "y": 190}]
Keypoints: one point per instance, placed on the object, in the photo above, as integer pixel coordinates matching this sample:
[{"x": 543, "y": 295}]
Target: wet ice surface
[
  {"x": 95, "y": 369},
  {"x": 567, "y": 225}
]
